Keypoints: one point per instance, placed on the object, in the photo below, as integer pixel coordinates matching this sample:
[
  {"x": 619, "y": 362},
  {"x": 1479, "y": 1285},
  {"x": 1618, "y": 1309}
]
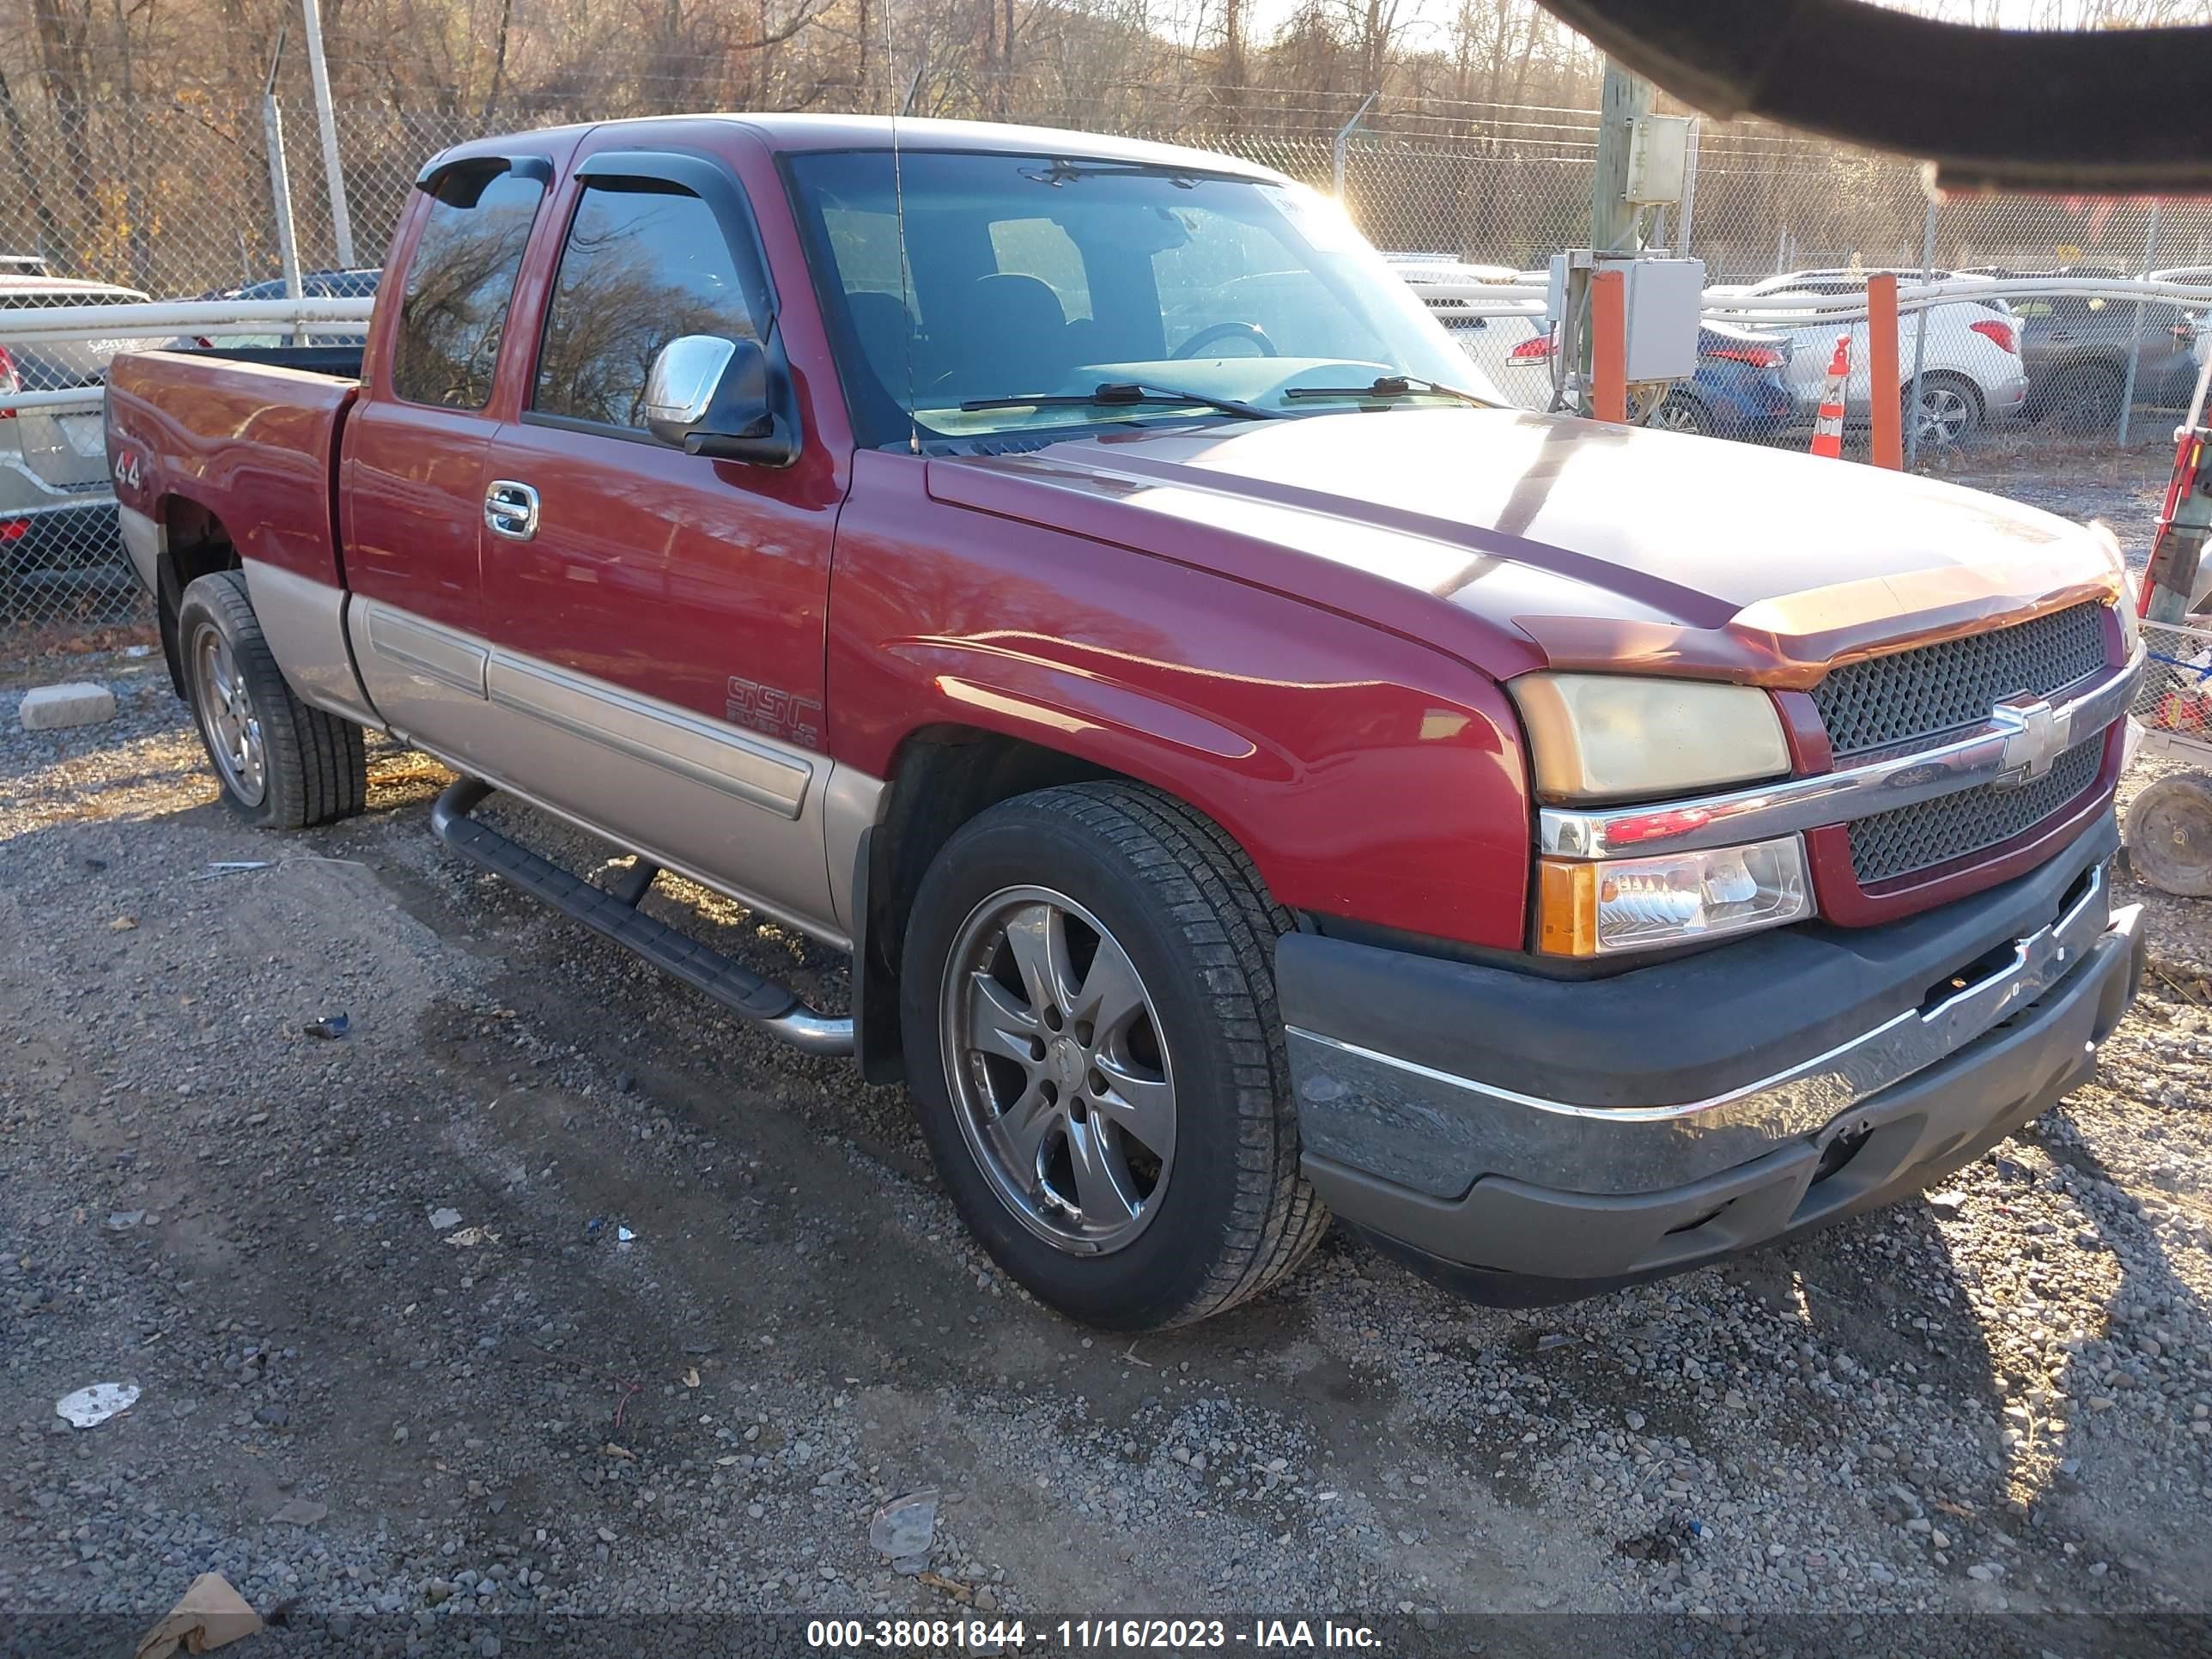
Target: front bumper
[{"x": 1513, "y": 1153}]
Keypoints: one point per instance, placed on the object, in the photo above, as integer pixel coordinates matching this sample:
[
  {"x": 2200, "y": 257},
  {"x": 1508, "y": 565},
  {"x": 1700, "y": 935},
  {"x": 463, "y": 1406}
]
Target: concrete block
[{"x": 76, "y": 704}]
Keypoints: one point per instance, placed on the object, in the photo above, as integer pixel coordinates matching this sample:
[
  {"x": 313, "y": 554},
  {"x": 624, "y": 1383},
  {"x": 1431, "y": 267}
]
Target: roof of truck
[{"x": 834, "y": 132}]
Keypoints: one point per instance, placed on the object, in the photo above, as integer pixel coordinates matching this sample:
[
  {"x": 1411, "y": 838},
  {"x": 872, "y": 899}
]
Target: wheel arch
[
  {"x": 195, "y": 543},
  {"x": 942, "y": 775}
]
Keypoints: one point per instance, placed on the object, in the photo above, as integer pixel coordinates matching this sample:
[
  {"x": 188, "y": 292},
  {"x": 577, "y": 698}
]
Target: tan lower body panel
[
  {"x": 304, "y": 622},
  {"x": 734, "y": 810}
]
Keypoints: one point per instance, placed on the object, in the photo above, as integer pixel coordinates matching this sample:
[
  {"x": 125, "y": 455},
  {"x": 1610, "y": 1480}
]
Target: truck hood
[{"x": 1520, "y": 541}]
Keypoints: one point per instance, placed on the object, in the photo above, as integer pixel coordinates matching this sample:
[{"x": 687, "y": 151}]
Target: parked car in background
[
  {"x": 56, "y": 523},
  {"x": 1740, "y": 389},
  {"x": 360, "y": 284},
  {"x": 1972, "y": 375},
  {"x": 2077, "y": 348}
]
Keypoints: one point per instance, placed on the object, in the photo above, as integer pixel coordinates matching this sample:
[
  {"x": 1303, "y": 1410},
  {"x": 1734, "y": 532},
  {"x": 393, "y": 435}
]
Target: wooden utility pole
[{"x": 1625, "y": 97}]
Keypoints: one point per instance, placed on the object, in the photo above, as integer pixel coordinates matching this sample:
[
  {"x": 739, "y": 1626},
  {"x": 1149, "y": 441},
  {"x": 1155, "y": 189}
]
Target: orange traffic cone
[{"x": 1828, "y": 429}]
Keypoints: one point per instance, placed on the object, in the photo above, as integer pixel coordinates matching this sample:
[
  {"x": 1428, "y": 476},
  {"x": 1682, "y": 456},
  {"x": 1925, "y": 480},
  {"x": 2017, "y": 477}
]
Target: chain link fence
[{"x": 182, "y": 199}]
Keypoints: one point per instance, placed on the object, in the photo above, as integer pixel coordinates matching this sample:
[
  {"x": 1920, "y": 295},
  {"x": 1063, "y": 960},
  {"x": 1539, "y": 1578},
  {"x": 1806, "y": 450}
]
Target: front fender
[{"x": 1368, "y": 776}]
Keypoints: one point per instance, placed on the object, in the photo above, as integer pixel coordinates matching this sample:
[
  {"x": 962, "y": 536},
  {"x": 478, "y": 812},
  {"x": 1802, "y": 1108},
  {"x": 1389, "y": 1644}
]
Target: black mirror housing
[
  {"x": 728, "y": 399},
  {"x": 744, "y": 422}
]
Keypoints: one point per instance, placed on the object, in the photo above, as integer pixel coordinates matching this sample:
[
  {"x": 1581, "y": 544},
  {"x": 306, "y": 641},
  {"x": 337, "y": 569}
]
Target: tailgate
[{"x": 64, "y": 448}]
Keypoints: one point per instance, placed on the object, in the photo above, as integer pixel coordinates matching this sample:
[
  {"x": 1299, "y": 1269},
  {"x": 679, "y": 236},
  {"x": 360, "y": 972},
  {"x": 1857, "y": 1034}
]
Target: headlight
[
  {"x": 2131, "y": 600},
  {"x": 1609, "y": 737},
  {"x": 1640, "y": 904}
]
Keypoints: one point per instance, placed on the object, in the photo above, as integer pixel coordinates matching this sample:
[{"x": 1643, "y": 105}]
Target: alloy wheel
[
  {"x": 1945, "y": 415},
  {"x": 1060, "y": 1078},
  {"x": 234, "y": 725}
]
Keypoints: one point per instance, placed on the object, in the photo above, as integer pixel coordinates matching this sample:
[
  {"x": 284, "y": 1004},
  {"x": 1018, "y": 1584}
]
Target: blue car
[
  {"x": 1740, "y": 389},
  {"x": 359, "y": 284}
]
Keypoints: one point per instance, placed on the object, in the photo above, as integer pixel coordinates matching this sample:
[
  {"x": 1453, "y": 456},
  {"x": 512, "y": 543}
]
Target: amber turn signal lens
[
  {"x": 1566, "y": 908},
  {"x": 1585, "y": 910}
]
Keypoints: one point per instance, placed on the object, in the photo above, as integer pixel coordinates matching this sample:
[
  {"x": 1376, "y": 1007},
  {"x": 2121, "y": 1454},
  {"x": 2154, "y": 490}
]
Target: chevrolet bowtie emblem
[{"x": 2034, "y": 740}]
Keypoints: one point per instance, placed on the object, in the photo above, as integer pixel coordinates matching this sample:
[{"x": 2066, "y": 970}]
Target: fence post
[
  {"x": 1689, "y": 207},
  {"x": 2135, "y": 334},
  {"x": 1339, "y": 152},
  {"x": 333, "y": 168},
  {"x": 280, "y": 195},
  {"x": 1912, "y": 412}
]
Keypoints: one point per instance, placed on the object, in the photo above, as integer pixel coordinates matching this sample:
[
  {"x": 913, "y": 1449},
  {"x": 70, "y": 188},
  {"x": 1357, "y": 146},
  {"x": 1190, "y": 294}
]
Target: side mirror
[{"x": 711, "y": 396}]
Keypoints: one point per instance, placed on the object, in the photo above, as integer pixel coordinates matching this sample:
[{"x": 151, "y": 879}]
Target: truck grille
[
  {"x": 1915, "y": 695},
  {"x": 1892, "y": 844}
]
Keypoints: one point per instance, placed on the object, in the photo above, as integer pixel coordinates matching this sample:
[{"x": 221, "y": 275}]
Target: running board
[{"x": 775, "y": 1008}]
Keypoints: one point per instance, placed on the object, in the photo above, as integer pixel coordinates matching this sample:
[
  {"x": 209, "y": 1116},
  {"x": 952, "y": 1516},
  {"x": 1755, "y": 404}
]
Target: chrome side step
[{"x": 775, "y": 1008}]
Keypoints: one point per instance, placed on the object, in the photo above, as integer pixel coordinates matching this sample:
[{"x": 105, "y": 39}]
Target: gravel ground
[{"x": 547, "y": 1287}]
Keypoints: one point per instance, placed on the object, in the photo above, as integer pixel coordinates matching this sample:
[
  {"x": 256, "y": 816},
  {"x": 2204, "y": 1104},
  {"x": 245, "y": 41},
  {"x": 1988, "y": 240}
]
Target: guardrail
[
  {"x": 161, "y": 319},
  {"x": 1726, "y": 302}
]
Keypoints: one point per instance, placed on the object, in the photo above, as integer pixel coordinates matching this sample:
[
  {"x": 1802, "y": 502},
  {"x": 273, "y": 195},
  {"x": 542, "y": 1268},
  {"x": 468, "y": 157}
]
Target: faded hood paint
[{"x": 1520, "y": 541}]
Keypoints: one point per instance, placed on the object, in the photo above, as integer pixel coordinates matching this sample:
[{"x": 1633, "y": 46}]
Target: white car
[
  {"x": 57, "y": 514},
  {"x": 1972, "y": 375}
]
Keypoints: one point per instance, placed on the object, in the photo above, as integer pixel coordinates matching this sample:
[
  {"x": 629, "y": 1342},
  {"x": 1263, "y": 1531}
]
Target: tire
[
  {"x": 281, "y": 764},
  {"x": 2169, "y": 835},
  {"x": 1681, "y": 412},
  {"x": 1185, "y": 1230},
  {"x": 2084, "y": 398},
  {"x": 1951, "y": 408}
]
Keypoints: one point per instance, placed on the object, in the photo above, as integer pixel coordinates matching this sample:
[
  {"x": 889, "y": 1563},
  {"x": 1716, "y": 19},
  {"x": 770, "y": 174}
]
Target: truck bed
[{"x": 252, "y": 442}]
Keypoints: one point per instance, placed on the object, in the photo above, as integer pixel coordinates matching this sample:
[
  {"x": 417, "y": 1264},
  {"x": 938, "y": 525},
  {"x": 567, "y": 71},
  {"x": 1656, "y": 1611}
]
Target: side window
[
  {"x": 644, "y": 262},
  {"x": 453, "y": 308},
  {"x": 1040, "y": 248}
]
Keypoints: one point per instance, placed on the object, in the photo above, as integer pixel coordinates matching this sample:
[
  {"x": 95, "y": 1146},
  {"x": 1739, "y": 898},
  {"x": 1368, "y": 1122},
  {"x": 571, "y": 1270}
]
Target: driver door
[{"x": 657, "y": 618}]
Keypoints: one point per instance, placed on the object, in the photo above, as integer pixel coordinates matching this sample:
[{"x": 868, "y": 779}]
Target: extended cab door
[
  {"x": 656, "y": 618},
  {"x": 414, "y": 446}
]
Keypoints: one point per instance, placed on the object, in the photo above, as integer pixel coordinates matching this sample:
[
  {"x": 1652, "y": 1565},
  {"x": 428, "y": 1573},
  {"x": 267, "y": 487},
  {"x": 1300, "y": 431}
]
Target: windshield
[{"x": 1041, "y": 277}]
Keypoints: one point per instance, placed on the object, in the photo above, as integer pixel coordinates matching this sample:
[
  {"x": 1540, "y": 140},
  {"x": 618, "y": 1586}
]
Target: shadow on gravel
[{"x": 2149, "y": 1301}]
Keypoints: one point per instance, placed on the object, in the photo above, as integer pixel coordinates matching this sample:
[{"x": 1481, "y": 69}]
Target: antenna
[{"x": 898, "y": 213}]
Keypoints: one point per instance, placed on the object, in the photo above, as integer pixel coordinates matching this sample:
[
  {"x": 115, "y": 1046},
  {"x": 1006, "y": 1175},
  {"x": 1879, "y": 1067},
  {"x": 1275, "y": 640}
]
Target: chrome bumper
[{"x": 1475, "y": 1126}]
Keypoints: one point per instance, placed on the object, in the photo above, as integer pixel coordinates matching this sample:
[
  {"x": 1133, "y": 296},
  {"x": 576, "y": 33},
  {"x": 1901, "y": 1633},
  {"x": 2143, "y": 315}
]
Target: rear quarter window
[{"x": 459, "y": 282}]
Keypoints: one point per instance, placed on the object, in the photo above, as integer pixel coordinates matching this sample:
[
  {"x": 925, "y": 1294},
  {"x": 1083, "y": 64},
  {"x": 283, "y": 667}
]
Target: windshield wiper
[
  {"x": 1389, "y": 386},
  {"x": 1121, "y": 393}
]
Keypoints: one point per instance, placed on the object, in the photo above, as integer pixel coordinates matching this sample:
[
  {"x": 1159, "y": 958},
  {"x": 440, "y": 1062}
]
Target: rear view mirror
[{"x": 711, "y": 396}]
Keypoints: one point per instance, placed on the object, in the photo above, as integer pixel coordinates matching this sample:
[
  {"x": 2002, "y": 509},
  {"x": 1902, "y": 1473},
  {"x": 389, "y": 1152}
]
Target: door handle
[{"x": 511, "y": 510}]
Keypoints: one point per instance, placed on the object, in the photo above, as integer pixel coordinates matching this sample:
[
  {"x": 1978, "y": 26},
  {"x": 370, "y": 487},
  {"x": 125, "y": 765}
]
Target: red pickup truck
[{"x": 1255, "y": 773}]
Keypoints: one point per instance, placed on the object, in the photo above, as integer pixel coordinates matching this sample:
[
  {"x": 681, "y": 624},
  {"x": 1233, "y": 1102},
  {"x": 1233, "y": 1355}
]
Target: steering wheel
[{"x": 1206, "y": 337}]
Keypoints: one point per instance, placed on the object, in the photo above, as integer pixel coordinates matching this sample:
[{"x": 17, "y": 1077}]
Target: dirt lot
[{"x": 704, "y": 1307}]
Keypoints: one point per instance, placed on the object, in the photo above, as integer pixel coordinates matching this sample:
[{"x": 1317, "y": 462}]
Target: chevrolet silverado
[{"x": 1255, "y": 772}]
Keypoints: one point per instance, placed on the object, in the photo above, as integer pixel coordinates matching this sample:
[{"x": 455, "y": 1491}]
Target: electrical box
[
  {"x": 1658, "y": 159},
  {"x": 1663, "y": 299}
]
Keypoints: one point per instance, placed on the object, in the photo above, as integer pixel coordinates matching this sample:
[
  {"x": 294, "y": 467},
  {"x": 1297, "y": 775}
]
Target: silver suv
[{"x": 56, "y": 520}]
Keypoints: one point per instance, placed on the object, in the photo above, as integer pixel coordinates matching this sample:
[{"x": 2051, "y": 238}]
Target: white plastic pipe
[{"x": 165, "y": 319}]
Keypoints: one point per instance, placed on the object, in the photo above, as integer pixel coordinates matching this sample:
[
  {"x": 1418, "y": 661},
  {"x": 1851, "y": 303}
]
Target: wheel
[
  {"x": 2169, "y": 835},
  {"x": 1088, "y": 1009},
  {"x": 1681, "y": 412},
  {"x": 281, "y": 765},
  {"x": 1250, "y": 332},
  {"x": 2084, "y": 399},
  {"x": 1950, "y": 409}
]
